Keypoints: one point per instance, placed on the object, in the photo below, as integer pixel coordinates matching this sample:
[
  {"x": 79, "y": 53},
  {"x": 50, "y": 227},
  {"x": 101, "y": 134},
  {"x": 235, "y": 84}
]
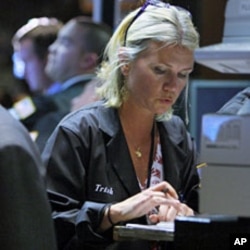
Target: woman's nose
[{"x": 170, "y": 82}]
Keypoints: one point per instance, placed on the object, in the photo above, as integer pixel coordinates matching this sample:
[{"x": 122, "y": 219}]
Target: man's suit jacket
[
  {"x": 46, "y": 124},
  {"x": 63, "y": 98},
  {"x": 25, "y": 215}
]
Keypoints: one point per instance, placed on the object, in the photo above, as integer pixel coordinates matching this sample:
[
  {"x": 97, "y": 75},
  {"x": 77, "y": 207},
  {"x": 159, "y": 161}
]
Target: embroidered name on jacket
[{"x": 101, "y": 189}]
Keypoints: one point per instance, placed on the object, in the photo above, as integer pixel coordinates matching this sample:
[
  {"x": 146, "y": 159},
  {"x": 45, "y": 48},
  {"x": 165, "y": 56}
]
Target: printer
[
  {"x": 225, "y": 187},
  {"x": 225, "y": 147}
]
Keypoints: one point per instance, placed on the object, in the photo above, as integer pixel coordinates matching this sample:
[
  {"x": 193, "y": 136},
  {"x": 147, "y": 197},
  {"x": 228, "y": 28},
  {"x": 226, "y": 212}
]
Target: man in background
[
  {"x": 25, "y": 221},
  {"x": 74, "y": 57},
  {"x": 32, "y": 94},
  {"x": 87, "y": 96},
  {"x": 30, "y": 44},
  {"x": 72, "y": 61}
]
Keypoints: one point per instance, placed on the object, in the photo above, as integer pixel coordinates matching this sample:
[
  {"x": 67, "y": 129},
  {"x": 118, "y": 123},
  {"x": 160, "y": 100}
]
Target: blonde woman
[{"x": 126, "y": 158}]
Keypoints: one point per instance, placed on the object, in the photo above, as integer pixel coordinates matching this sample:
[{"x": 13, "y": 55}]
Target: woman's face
[{"x": 157, "y": 77}]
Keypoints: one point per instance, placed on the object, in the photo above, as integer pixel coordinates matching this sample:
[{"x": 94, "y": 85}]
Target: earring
[{"x": 125, "y": 69}]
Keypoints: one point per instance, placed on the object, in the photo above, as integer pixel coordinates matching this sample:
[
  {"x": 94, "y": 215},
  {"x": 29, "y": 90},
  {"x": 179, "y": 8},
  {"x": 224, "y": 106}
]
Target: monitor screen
[{"x": 208, "y": 96}]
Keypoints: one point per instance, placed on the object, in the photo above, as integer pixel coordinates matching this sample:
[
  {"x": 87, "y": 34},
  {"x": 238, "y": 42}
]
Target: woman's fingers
[
  {"x": 169, "y": 213},
  {"x": 185, "y": 210},
  {"x": 161, "y": 196},
  {"x": 165, "y": 188},
  {"x": 144, "y": 202}
]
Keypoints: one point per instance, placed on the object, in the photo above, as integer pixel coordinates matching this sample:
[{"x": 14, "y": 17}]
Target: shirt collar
[
  {"x": 76, "y": 79},
  {"x": 53, "y": 89}
]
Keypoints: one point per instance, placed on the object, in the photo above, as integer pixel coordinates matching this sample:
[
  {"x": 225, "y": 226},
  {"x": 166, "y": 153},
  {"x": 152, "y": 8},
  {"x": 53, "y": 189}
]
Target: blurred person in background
[
  {"x": 25, "y": 221},
  {"x": 75, "y": 56},
  {"x": 73, "y": 60},
  {"x": 33, "y": 93},
  {"x": 30, "y": 44},
  {"x": 87, "y": 96}
]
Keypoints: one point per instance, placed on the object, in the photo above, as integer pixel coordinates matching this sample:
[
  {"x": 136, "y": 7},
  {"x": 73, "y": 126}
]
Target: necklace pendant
[{"x": 138, "y": 153}]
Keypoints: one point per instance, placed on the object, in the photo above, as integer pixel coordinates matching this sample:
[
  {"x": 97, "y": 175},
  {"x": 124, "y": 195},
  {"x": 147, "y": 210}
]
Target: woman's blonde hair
[{"x": 169, "y": 25}]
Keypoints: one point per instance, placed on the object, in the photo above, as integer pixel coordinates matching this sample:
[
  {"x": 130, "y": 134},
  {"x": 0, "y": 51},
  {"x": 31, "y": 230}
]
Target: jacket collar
[{"x": 109, "y": 122}]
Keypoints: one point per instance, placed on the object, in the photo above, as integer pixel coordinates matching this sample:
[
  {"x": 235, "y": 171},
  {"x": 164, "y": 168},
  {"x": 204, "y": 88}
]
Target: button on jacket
[{"x": 89, "y": 166}]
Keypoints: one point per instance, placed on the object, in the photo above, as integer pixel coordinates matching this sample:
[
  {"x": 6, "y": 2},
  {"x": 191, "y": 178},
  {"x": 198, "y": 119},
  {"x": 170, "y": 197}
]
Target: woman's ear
[
  {"x": 125, "y": 69},
  {"x": 123, "y": 61}
]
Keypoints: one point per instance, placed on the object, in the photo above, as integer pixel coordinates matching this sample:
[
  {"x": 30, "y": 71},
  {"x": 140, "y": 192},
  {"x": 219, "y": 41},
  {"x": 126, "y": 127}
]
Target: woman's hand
[
  {"x": 161, "y": 195},
  {"x": 145, "y": 201}
]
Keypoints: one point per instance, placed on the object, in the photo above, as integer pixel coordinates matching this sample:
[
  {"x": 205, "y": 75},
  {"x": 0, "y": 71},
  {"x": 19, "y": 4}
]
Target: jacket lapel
[
  {"x": 122, "y": 164},
  {"x": 117, "y": 151}
]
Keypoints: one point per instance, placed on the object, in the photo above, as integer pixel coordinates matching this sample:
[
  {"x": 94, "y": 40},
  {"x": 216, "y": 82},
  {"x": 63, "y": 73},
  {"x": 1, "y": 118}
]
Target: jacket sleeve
[{"x": 66, "y": 160}]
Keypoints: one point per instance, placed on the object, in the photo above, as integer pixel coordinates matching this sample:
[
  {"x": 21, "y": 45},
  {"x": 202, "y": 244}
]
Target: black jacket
[
  {"x": 89, "y": 165},
  {"x": 62, "y": 100},
  {"x": 25, "y": 215}
]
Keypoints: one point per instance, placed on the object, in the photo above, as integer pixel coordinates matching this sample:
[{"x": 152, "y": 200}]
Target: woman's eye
[
  {"x": 159, "y": 70},
  {"x": 183, "y": 75}
]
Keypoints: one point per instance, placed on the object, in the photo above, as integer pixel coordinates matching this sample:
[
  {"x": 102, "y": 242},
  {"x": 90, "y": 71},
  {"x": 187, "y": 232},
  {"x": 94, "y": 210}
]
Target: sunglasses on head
[{"x": 155, "y": 3}]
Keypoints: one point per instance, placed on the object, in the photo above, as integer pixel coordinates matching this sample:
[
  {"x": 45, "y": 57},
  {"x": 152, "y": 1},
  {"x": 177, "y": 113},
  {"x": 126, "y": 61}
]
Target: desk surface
[{"x": 150, "y": 233}]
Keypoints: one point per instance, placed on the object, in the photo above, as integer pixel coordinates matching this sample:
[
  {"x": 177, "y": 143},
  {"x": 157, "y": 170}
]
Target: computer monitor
[{"x": 208, "y": 96}]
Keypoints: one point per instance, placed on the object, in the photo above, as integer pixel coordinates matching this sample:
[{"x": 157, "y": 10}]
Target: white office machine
[
  {"x": 232, "y": 55},
  {"x": 225, "y": 182}
]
